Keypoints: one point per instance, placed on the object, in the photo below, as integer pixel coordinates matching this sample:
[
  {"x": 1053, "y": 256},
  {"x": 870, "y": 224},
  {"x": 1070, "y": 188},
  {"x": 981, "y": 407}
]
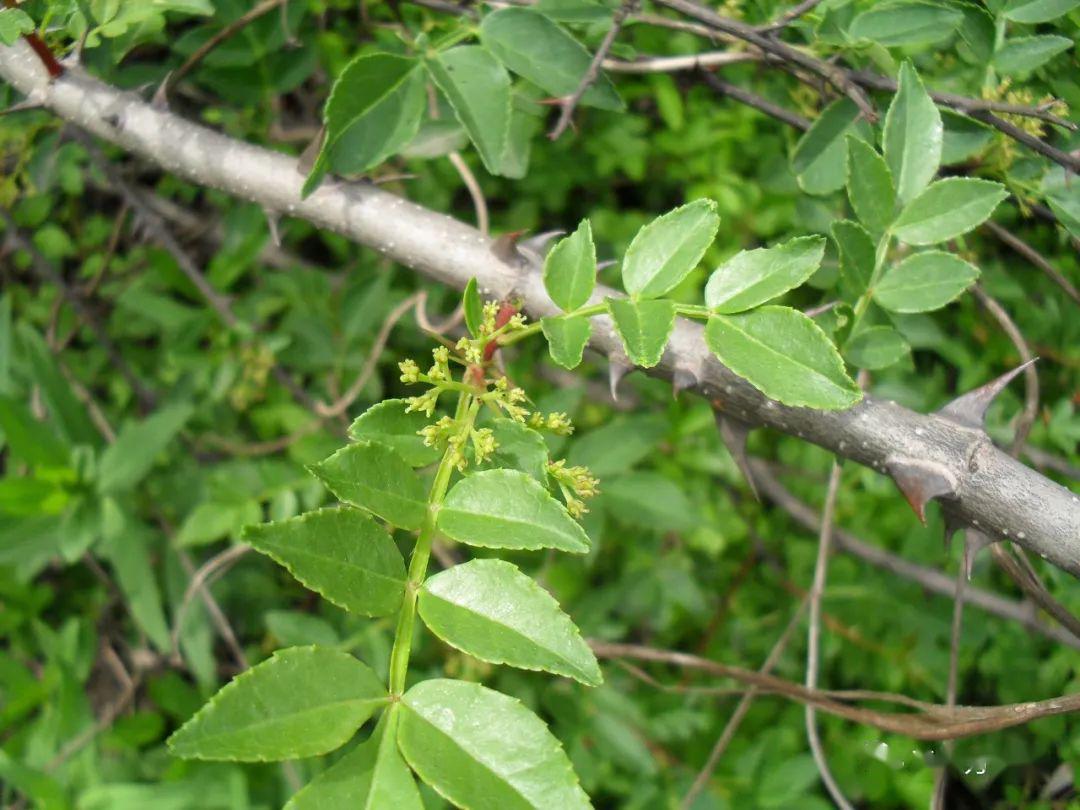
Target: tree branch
[{"x": 993, "y": 492}]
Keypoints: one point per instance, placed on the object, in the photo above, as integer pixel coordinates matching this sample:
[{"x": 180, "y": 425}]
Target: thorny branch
[{"x": 988, "y": 489}]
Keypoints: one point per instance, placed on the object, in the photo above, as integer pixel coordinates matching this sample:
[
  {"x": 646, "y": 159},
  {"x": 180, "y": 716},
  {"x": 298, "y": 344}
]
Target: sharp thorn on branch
[
  {"x": 681, "y": 380},
  {"x": 969, "y": 410},
  {"x": 160, "y": 99},
  {"x": 606, "y": 263},
  {"x": 306, "y": 162},
  {"x": 974, "y": 542},
  {"x": 273, "y": 218},
  {"x": 921, "y": 481},
  {"x": 505, "y": 247},
  {"x": 617, "y": 370},
  {"x": 733, "y": 433},
  {"x": 535, "y": 248}
]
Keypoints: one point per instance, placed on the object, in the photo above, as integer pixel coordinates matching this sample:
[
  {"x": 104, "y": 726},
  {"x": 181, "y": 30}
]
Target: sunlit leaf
[{"x": 492, "y": 611}]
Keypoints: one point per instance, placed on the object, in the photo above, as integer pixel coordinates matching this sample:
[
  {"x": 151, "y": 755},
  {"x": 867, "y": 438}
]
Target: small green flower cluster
[
  {"x": 576, "y": 483},
  {"x": 499, "y": 394}
]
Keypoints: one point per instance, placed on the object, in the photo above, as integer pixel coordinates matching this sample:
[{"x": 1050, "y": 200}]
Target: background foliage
[{"x": 113, "y": 496}]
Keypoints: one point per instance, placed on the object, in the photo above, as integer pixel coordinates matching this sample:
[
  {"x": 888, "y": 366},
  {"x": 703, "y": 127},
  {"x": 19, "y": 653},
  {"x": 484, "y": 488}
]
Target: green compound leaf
[
  {"x": 570, "y": 269},
  {"x": 1024, "y": 54},
  {"x": 857, "y": 256},
  {"x": 947, "y": 209},
  {"x": 374, "y": 110},
  {"x": 492, "y": 611},
  {"x": 906, "y": 22},
  {"x": 375, "y": 478},
  {"x": 913, "y": 135},
  {"x": 924, "y": 282},
  {"x": 508, "y": 509},
  {"x": 1037, "y": 11},
  {"x": 875, "y": 348},
  {"x": 644, "y": 327},
  {"x": 785, "y": 355},
  {"x": 668, "y": 248},
  {"x": 340, "y": 553},
  {"x": 301, "y": 702},
  {"x": 540, "y": 50},
  {"x": 478, "y": 89},
  {"x": 372, "y": 776},
  {"x": 483, "y": 750},
  {"x": 820, "y": 157},
  {"x": 391, "y": 423},
  {"x": 752, "y": 277},
  {"x": 473, "y": 307},
  {"x": 870, "y": 186},
  {"x": 567, "y": 336}
]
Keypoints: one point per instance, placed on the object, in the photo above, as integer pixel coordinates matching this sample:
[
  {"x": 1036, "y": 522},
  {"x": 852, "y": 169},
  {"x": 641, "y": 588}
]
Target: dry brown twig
[{"x": 929, "y": 722}]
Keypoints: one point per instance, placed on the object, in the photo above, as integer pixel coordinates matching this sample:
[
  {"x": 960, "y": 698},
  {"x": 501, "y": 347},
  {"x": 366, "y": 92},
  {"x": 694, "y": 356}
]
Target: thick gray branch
[{"x": 993, "y": 492}]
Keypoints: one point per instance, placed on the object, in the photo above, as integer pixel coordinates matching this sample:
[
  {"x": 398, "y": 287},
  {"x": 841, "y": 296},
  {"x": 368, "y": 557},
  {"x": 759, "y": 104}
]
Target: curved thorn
[
  {"x": 974, "y": 542},
  {"x": 617, "y": 370},
  {"x": 538, "y": 245},
  {"x": 970, "y": 409},
  {"x": 921, "y": 481},
  {"x": 683, "y": 379},
  {"x": 606, "y": 263},
  {"x": 733, "y": 433},
  {"x": 505, "y": 247},
  {"x": 160, "y": 99},
  {"x": 272, "y": 220}
]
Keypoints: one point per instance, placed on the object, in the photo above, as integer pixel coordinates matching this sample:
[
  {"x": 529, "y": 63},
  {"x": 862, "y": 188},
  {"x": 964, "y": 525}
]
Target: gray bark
[{"x": 992, "y": 491}]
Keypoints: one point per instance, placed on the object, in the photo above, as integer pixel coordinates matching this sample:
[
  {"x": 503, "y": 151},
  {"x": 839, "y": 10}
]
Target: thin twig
[
  {"x": 931, "y": 722},
  {"x": 788, "y": 16},
  {"x": 941, "y": 776},
  {"x": 441, "y": 328},
  {"x": 129, "y": 685},
  {"x": 813, "y": 636},
  {"x": 759, "y": 103},
  {"x": 1062, "y": 158},
  {"x": 966, "y": 104},
  {"x": 1033, "y": 256},
  {"x": 570, "y": 103},
  {"x": 741, "y": 710},
  {"x": 834, "y": 75},
  {"x": 339, "y": 406},
  {"x": 674, "y": 64},
  {"x": 475, "y": 192},
  {"x": 929, "y": 579},
  {"x": 198, "y": 584},
  {"x": 225, "y": 33}
]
